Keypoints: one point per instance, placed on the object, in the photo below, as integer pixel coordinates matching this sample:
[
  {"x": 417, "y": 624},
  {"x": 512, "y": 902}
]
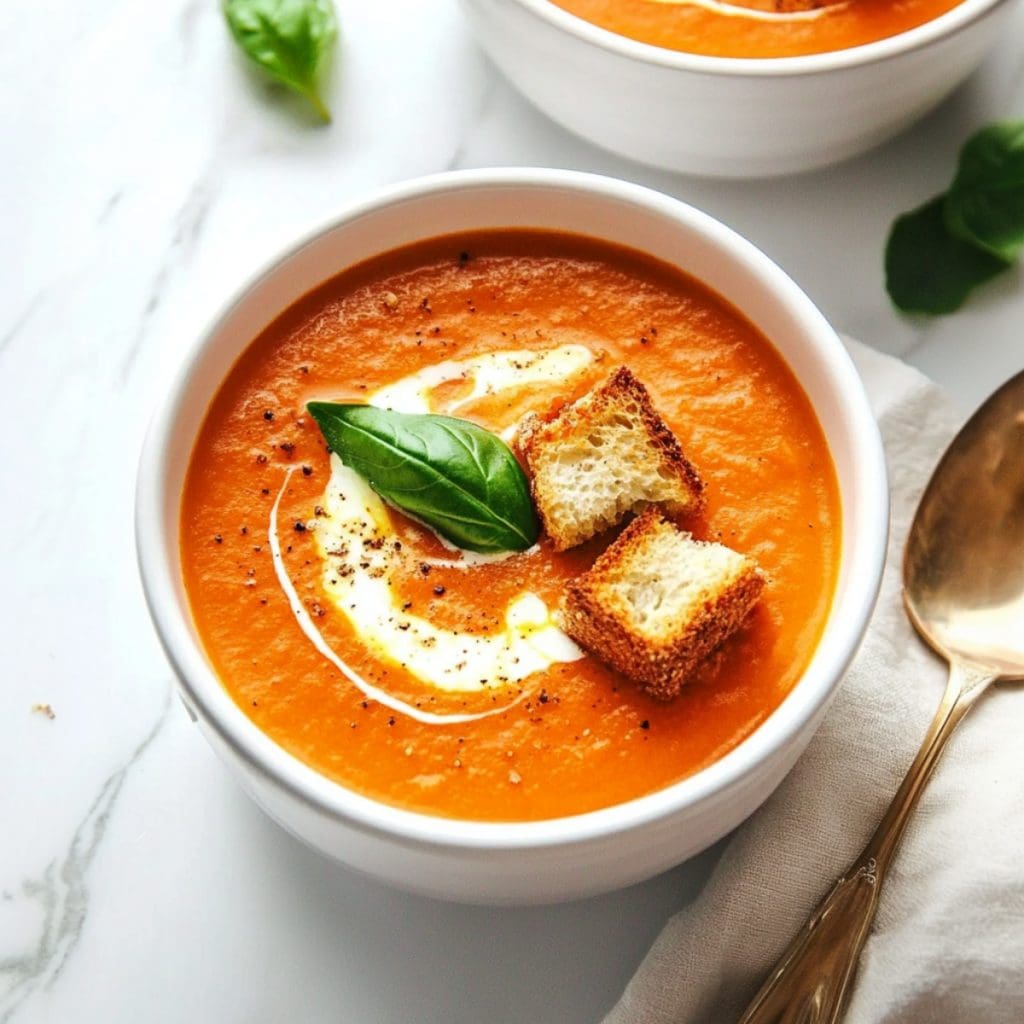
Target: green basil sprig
[
  {"x": 288, "y": 39},
  {"x": 929, "y": 270},
  {"x": 937, "y": 254},
  {"x": 456, "y": 477},
  {"x": 985, "y": 205}
]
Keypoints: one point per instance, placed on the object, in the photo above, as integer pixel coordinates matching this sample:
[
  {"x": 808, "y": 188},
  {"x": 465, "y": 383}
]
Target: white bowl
[
  {"x": 724, "y": 116},
  {"x": 568, "y": 857}
]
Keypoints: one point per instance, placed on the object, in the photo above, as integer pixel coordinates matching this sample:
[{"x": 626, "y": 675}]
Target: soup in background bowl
[
  {"x": 757, "y": 28},
  {"x": 567, "y": 780}
]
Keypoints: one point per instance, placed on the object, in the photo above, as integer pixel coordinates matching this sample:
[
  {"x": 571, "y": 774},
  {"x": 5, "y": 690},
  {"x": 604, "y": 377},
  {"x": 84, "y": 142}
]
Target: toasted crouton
[
  {"x": 657, "y": 602},
  {"x": 601, "y": 458}
]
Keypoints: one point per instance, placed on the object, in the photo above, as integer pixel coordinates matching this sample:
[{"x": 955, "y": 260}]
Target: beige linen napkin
[{"x": 948, "y": 942}]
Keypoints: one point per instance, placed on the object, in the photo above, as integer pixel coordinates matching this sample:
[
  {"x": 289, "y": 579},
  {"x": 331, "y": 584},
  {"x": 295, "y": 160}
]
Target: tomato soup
[
  {"x": 757, "y": 28},
  {"x": 289, "y": 625}
]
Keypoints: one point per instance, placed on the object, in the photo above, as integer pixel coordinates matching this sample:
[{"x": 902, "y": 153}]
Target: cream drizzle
[
  {"x": 488, "y": 374},
  {"x": 361, "y": 555},
  {"x": 305, "y": 623},
  {"x": 736, "y": 11}
]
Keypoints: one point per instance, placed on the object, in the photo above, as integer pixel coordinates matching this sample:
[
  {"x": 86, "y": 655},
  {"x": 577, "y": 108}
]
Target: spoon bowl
[{"x": 963, "y": 569}]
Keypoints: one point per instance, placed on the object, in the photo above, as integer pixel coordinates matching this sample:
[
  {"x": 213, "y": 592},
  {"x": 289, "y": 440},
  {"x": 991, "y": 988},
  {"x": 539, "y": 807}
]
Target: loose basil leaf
[
  {"x": 985, "y": 205},
  {"x": 289, "y": 39},
  {"x": 927, "y": 270},
  {"x": 456, "y": 477}
]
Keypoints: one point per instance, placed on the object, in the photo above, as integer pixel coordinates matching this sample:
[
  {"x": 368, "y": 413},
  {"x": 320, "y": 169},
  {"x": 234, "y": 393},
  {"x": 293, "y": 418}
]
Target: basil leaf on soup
[
  {"x": 288, "y": 39},
  {"x": 985, "y": 205},
  {"x": 928, "y": 270},
  {"x": 456, "y": 477}
]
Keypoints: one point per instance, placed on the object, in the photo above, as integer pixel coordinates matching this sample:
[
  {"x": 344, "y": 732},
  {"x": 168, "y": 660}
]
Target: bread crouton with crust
[
  {"x": 602, "y": 457},
  {"x": 658, "y": 602}
]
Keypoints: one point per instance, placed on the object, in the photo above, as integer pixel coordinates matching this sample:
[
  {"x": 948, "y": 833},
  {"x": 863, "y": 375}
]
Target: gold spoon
[{"x": 963, "y": 587}]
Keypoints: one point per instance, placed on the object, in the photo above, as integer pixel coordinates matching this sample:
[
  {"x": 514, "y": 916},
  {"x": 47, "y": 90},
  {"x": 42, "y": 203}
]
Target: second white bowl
[{"x": 730, "y": 117}]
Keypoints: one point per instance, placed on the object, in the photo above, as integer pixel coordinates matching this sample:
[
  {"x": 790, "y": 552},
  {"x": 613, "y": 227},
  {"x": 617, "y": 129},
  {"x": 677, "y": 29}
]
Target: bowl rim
[
  {"x": 209, "y": 700},
  {"x": 916, "y": 38}
]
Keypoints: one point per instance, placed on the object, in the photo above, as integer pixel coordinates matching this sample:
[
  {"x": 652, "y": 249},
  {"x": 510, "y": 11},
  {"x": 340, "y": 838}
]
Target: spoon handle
[{"x": 812, "y": 982}]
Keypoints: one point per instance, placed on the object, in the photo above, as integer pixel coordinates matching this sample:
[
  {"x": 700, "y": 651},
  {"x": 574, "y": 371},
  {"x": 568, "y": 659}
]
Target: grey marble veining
[
  {"x": 61, "y": 895},
  {"x": 186, "y": 231}
]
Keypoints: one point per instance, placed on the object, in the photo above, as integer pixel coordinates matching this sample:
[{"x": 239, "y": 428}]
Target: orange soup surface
[
  {"x": 573, "y": 736},
  {"x": 757, "y": 28}
]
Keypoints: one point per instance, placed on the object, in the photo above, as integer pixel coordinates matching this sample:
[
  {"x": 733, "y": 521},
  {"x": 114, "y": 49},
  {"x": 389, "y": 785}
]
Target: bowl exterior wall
[
  {"x": 494, "y": 876},
  {"x": 720, "y": 124}
]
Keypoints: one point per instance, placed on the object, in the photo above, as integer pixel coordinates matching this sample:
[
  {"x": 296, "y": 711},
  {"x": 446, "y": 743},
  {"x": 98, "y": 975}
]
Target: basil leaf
[
  {"x": 927, "y": 270},
  {"x": 985, "y": 205},
  {"x": 456, "y": 477},
  {"x": 288, "y": 39}
]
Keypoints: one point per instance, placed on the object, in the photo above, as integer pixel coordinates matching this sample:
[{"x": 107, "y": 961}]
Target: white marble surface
[{"x": 145, "y": 171}]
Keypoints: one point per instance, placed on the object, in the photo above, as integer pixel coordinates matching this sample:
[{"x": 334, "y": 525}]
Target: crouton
[
  {"x": 657, "y": 603},
  {"x": 601, "y": 458}
]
